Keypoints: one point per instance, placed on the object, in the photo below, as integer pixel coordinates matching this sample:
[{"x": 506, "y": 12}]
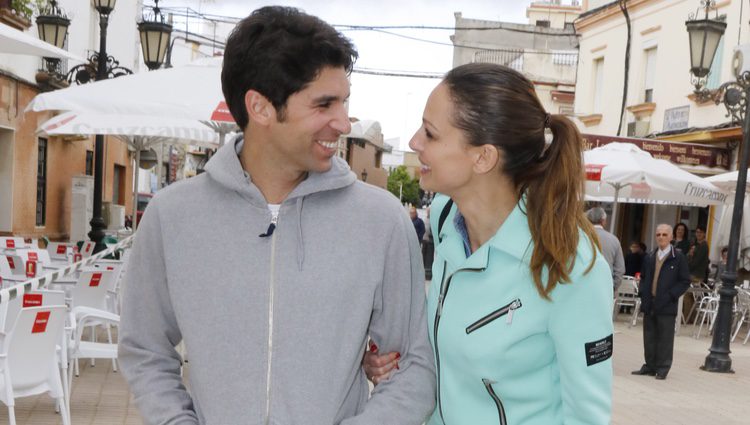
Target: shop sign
[
  {"x": 676, "y": 118},
  {"x": 677, "y": 153}
]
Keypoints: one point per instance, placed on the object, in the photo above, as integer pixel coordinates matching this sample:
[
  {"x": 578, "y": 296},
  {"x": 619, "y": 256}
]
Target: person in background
[
  {"x": 721, "y": 266},
  {"x": 634, "y": 258},
  {"x": 680, "y": 238},
  {"x": 519, "y": 318},
  {"x": 698, "y": 257},
  {"x": 610, "y": 245},
  {"x": 664, "y": 279},
  {"x": 417, "y": 222}
]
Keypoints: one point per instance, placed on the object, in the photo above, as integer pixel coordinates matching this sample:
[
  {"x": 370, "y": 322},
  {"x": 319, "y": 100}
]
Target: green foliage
[
  {"x": 399, "y": 179},
  {"x": 23, "y": 7}
]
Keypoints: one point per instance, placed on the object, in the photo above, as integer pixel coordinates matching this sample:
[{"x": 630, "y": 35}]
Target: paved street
[{"x": 689, "y": 395}]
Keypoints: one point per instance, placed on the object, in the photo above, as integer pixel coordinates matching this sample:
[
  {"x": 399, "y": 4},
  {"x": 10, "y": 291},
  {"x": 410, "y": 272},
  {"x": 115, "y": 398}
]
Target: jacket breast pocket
[{"x": 504, "y": 311}]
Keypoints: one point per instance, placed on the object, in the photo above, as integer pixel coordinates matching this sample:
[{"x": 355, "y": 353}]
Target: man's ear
[
  {"x": 486, "y": 158},
  {"x": 259, "y": 108}
]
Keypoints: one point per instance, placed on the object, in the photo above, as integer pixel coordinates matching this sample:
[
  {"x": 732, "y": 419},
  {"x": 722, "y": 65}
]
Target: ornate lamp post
[
  {"x": 53, "y": 24},
  {"x": 705, "y": 35},
  {"x": 155, "y": 34},
  {"x": 99, "y": 67}
]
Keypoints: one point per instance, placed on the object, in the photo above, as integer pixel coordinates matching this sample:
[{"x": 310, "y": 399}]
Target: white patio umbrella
[
  {"x": 192, "y": 91},
  {"x": 622, "y": 172},
  {"x": 728, "y": 182},
  {"x": 13, "y": 41},
  {"x": 138, "y": 131}
]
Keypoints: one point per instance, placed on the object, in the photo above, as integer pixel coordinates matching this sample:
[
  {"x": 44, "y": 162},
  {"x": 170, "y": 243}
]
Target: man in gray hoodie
[{"x": 276, "y": 265}]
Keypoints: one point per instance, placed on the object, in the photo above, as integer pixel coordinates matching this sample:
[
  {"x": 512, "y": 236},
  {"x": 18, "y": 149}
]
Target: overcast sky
[{"x": 396, "y": 102}]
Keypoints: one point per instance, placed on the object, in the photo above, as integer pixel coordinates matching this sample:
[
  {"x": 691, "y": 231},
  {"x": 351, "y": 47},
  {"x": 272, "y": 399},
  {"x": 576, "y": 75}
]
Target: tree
[{"x": 399, "y": 180}]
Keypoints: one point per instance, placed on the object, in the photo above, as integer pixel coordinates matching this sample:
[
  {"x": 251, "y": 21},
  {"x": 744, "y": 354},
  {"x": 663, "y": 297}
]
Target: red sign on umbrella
[
  {"x": 594, "y": 172},
  {"x": 221, "y": 113}
]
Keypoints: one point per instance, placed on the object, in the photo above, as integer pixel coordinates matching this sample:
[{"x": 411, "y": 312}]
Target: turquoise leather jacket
[{"x": 503, "y": 354}]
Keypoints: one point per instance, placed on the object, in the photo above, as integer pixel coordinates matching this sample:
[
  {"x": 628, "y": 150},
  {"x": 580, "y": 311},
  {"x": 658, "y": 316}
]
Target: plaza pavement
[{"x": 688, "y": 396}]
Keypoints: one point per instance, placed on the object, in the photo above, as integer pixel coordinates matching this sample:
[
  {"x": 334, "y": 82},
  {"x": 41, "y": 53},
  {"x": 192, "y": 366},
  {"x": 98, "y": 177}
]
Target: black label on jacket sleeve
[{"x": 598, "y": 351}]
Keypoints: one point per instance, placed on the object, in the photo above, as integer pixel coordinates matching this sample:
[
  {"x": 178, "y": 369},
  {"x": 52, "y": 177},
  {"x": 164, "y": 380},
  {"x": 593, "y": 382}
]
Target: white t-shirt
[{"x": 274, "y": 208}]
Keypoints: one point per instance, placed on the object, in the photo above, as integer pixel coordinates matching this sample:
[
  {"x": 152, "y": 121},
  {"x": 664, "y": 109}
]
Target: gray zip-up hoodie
[{"x": 275, "y": 326}]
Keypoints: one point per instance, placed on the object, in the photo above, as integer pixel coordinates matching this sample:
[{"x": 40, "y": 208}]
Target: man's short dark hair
[
  {"x": 701, "y": 228},
  {"x": 277, "y": 51}
]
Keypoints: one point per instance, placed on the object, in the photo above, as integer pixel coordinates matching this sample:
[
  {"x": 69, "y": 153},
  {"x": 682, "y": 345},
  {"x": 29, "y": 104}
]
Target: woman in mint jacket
[{"x": 520, "y": 304}]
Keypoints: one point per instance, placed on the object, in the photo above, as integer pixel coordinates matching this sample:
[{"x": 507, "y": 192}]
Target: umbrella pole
[
  {"x": 614, "y": 210},
  {"x": 135, "y": 189}
]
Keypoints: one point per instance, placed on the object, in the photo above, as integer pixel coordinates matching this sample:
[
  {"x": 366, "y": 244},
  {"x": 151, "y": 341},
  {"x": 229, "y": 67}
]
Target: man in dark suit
[{"x": 664, "y": 278}]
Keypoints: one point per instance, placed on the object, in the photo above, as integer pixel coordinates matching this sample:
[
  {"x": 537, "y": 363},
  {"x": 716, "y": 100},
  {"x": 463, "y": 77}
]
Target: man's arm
[
  {"x": 682, "y": 284},
  {"x": 399, "y": 324},
  {"x": 149, "y": 332},
  {"x": 619, "y": 265}
]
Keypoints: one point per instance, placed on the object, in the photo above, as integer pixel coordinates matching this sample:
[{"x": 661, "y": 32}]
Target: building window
[
  {"x": 650, "y": 72},
  {"x": 542, "y": 23},
  {"x": 41, "y": 183},
  {"x": 118, "y": 185},
  {"x": 89, "y": 163},
  {"x": 598, "y": 93},
  {"x": 569, "y": 26}
]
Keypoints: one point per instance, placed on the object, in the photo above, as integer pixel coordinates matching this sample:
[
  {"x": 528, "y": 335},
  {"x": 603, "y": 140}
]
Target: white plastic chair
[
  {"x": 28, "y": 358},
  {"x": 627, "y": 296},
  {"x": 89, "y": 298},
  {"x": 79, "y": 318},
  {"x": 12, "y": 268},
  {"x": 58, "y": 252},
  {"x": 87, "y": 249},
  {"x": 743, "y": 313},
  {"x": 11, "y": 242},
  {"x": 41, "y": 256},
  {"x": 707, "y": 309}
]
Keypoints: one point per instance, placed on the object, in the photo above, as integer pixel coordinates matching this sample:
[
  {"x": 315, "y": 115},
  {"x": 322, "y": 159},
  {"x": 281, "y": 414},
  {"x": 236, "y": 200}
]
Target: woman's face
[
  {"x": 447, "y": 159},
  {"x": 680, "y": 232}
]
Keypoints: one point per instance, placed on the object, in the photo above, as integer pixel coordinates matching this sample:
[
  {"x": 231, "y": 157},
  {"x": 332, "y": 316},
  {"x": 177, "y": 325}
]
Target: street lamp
[
  {"x": 155, "y": 34},
  {"x": 705, "y": 35},
  {"x": 52, "y": 24},
  {"x": 100, "y": 66},
  {"x": 364, "y": 175}
]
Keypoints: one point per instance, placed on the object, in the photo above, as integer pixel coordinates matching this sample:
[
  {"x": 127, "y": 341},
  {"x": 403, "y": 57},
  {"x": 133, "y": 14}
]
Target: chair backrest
[
  {"x": 30, "y": 346},
  {"x": 28, "y": 300},
  {"x": 628, "y": 286},
  {"x": 115, "y": 266},
  {"x": 87, "y": 249},
  {"x": 15, "y": 265},
  {"x": 41, "y": 256},
  {"x": 58, "y": 251},
  {"x": 9, "y": 242},
  {"x": 91, "y": 289}
]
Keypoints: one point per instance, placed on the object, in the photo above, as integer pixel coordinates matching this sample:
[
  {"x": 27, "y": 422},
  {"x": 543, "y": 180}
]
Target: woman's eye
[{"x": 428, "y": 134}]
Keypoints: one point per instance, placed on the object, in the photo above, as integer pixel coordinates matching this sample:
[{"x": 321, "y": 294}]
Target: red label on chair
[
  {"x": 77, "y": 257},
  {"x": 110, "y": 268},
  {"x": 10, "y": 243},
  {"x": 32, "y": 300},
  {"x": 96, "y": 278},
  {"x": 40, "y": 322},
  {"x": 61, "y": 249},
  {"x": 11, "y": 263},
  {"x": 31, "y": 268},
  {"x": 87, "y": 248},
  {"x": 33, "y": 256}
]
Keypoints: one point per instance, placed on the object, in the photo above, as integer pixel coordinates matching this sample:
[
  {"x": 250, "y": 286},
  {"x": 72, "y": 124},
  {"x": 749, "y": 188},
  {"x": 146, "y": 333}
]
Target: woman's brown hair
[{"x": 496, "y": 105}]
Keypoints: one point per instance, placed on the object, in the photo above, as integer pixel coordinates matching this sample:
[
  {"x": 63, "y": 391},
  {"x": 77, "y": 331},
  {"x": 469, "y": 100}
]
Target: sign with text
[
  {"x": 40, "y": 322},
  {"x": 676, "y": 153},
  {"x": 676, "y": 118}
]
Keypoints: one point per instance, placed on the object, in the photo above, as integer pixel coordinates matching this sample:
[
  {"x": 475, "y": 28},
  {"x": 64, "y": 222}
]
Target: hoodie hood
[{"x": 225, "y": 168}]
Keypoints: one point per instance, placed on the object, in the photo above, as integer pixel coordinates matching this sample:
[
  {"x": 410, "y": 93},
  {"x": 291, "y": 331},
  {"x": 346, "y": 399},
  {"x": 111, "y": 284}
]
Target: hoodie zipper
[
  {"x": 444, "y": 285},
  {"x": 502, "y": 311},
  {"x": 274, "y": 222},
  {"x": 498, "y": 403}
]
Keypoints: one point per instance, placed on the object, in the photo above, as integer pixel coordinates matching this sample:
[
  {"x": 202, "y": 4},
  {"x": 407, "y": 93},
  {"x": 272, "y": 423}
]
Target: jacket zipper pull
[
  {"x": 511, "y": 309},
  {"x": 271, "y": 227},
  {"x": 440, "y": 305}
]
